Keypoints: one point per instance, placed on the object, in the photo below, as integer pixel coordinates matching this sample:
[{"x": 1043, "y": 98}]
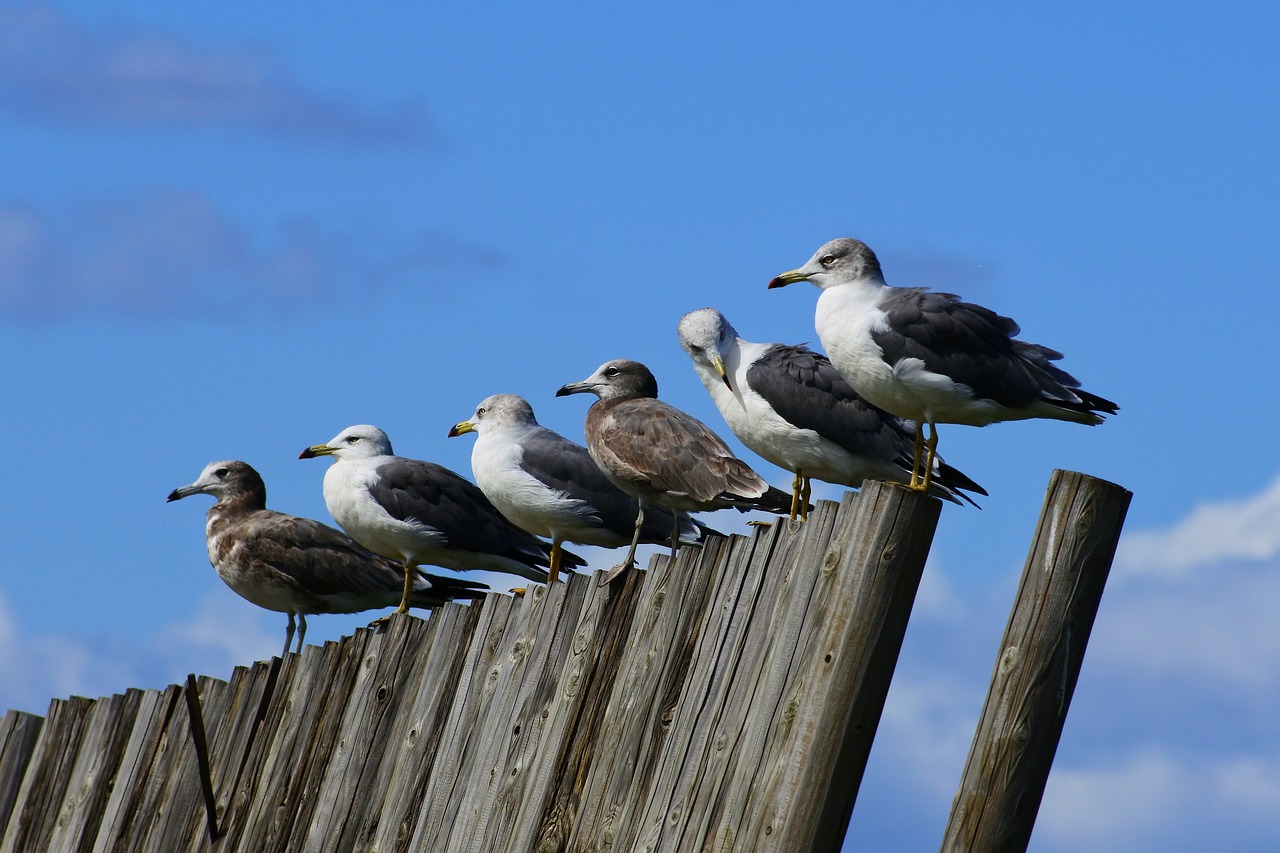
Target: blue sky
[{"x": 230, "y": 230}]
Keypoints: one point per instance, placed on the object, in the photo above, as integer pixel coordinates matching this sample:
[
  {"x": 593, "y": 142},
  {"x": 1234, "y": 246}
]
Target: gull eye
[
  {"x": 221, "y": 472},
  {"x": 352, "y": 439},
  {"x": 827, "y": 260},
  {"x": 480, "y": 411},
  {"x": 612, "y": 371}
]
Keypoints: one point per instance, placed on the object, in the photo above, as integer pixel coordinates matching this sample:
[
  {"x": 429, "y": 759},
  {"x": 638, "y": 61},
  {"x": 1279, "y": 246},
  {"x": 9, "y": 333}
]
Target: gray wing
[
  {"x": 318, "y": 562},
  {"x": 659, "y": 447},
  {"x": 975, "y": 346},
  {"x": 411, "y": 489},
  {"x": 559, "y": 463},
  {"x": 804, "y": 388}
]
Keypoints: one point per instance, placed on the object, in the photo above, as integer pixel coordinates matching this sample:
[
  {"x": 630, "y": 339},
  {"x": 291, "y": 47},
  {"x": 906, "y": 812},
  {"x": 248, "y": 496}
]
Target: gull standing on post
[
  {"x": 930, "y": 357},
  {"x": 660, "y": 455},
  {"x": 788, "y": 404},
  {"x": 548, "y": 485},
  {"x": 418, "y": 512},
  {"x": 295, "y": 565}
]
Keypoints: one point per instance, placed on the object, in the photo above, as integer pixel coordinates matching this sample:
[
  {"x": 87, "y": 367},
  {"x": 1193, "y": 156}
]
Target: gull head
[
  {"x": 223, "y": 480},
  {"x": 494, "y": 411},
  {"x": 619, "y": 379},
  {"x": 706, "y": 336},
  {"x": 354, "y": 442},
  {"x": 842, "y": 261}
]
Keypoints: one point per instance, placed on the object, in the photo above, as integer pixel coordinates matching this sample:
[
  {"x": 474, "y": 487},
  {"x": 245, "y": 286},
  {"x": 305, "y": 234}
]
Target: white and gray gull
[
  {"x": 296, "y": 565},
  {"x": 418, "y": 512},
  {"x": 788, "y": 404},
  {"x": 550, "y": 486},
  {"x": 661, "y": 455},
  {"x": 930, "y": 357}
]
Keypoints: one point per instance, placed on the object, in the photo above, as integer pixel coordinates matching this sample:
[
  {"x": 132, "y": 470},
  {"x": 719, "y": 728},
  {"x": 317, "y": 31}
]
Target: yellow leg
[
  {"x": 797, "y": 485},
  {"x": 404, "y": 598},
  {"x": 557, "y": 556},
  {"x": 914, "y": 482},
  {"x": 806, "y": 492},
  {"x": 931, "y": 444}
]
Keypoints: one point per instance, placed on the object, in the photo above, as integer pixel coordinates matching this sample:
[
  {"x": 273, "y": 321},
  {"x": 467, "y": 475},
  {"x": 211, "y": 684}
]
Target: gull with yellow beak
[
  {"x": 930, "y": 357},
  {"x": 417, "y": 512},
  {"x": 548, "y": 485},
  {"x": 788, "y": 404}
]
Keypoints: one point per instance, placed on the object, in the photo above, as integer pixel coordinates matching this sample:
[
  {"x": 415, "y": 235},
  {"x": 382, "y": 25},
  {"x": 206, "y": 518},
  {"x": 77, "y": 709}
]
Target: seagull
[
  {"x": 548, "y": 485},
  {"x": 660, "y": 455},
  {"x": 295, "y": 565},
  {"x": 418, "y": 512},
  {"x": 788, "y": 404},
  {"x": 930, "y": 357}
]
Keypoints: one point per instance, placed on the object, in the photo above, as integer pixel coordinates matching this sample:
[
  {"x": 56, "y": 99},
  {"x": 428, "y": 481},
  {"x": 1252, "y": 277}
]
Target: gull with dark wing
[
  {"x": 661, "y": 455},
  {"x": 550, "y": 486},
  {"x": 419, "y": 512},
  {"x": 930, "y": 357},
  {"x": 298, "y": 566},
  {"x": 788, "y": 404}
]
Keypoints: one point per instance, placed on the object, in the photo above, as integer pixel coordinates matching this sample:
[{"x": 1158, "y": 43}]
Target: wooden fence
[{"x": 724, "y": 701}]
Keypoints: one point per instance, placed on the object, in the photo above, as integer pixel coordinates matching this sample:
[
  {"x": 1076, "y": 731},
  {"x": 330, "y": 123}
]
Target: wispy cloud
[
  {"x": 55, "y": 69},
  {"x": 36, "y": 667},
  {"x": 168, "y": 252},
  {"x": 1246, "y": 529}
]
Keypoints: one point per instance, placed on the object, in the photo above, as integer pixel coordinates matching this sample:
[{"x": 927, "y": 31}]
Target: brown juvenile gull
[
  {"x": 930, "y": 357},
  {"x": 788, "y": 404},
  {"x": 419, "y": 512},
  {"x": 295, "y": 565},
  {"x": 661, "y": 455},
  {"x": 550, "y": 486}
]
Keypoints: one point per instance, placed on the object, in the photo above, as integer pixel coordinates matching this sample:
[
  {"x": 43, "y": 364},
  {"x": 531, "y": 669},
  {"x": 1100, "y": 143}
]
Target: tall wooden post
[{"x": 1039, "y": 662}]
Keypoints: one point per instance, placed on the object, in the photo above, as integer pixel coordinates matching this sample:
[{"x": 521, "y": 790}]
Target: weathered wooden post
[
  {"x": 881, "y": 555},
  {"x": 1039, "y": 662}
]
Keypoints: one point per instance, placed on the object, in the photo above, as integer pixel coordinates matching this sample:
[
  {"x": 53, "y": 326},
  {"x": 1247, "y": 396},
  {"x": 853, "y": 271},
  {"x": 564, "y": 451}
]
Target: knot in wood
[
  {"x": 382, "y": 693},
  {"x": 1009, "y": 659},
  {"x": 889, "y": 553},
  {"x": 832, "y": 559},
  {"x": 658, "y": 598}
]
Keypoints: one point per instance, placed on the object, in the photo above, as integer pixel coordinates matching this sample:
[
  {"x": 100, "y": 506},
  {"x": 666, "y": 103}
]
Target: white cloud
[
  {"x": 53, "y": 68},
  {"x": 1154, "y": 799},
  {"x": 167, "y": 252},
  {"x": 1247, "y": 529},
  {"x": 38, "y": 667},
  {"x": 1117, "y": 807}
]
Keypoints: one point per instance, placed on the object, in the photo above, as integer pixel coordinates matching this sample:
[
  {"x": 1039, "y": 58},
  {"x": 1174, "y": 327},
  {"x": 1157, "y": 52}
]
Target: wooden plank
[
  {"x": 107, "y": 729},
  {"x": 19, "y": 733},
  {"x": 759, "y": 701},
  {"x": 233, "y": 727},
  {"x": 395, "y": 798},
  {"x": 44, "y": 786},
  {"x": 534, "y": 740},
  {"x": 133, "y": 771},
  {"x": 1039, "y": 662},
  {"x": 385, "y": 681},
  {"x": 656, "y": 658},
  {"x": 724, "y": 687},
  {"x": 509, "y": 770},
  {"x": 805, "y": 790},
  {"x": 586, "y": 682},
  {"x": 297, "y": 738},
  {"x": 460, "y": 729}
]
